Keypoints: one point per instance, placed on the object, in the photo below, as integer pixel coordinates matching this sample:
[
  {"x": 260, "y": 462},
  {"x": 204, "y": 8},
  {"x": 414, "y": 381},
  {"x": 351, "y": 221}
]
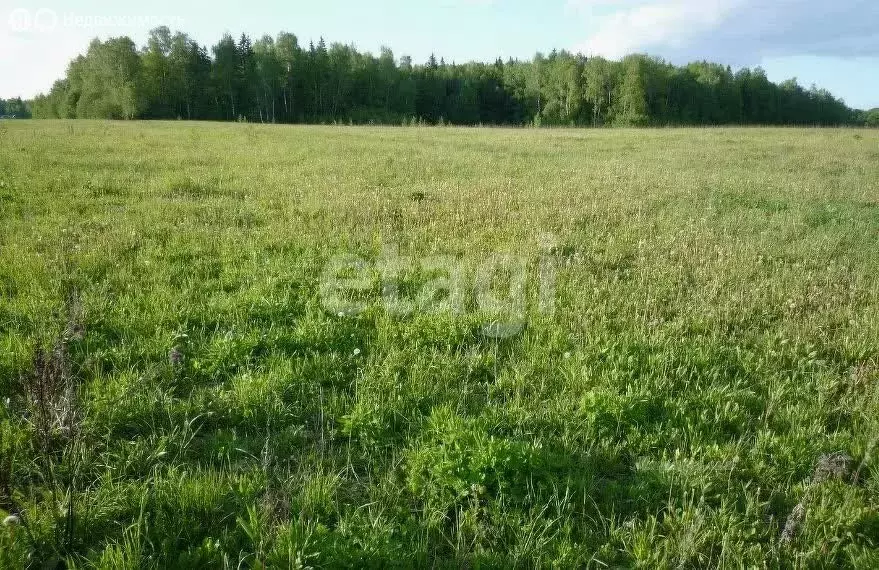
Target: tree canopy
[
  {"x": 279, "y": 80},
  {"x": 14, "y": 108}
]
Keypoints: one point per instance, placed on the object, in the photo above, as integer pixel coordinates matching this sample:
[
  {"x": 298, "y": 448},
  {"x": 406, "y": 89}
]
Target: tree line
[
  {"x": 277, "y": 80},
  {"x": 15, "y": 108}
]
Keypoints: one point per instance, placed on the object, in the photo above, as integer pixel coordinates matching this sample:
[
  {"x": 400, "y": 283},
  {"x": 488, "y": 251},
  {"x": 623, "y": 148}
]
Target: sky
[{"x": 833, "y": 44}]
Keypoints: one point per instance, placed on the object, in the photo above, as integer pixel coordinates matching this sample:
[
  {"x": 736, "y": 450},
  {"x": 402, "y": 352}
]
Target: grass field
[{"x": 179, "y": 392}]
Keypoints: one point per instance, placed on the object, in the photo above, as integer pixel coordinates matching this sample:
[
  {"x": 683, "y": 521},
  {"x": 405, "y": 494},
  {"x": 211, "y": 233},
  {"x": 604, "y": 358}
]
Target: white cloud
[
  {"x": 736, "y": 31},
  {"x": 671, "y": 23}
]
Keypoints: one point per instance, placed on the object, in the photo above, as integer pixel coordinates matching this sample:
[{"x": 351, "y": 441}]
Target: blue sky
[{"x": 832, "y": 44}]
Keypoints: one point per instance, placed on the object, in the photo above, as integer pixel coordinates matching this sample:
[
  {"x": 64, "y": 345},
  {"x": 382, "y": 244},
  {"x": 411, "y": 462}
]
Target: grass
[{"x": 177, "y": 395}]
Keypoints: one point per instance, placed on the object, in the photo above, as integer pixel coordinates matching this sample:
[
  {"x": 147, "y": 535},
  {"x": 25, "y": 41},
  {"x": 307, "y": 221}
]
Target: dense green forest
[
  {"x": 14, "y": 108},
  {"x": 277, "y": 80}
]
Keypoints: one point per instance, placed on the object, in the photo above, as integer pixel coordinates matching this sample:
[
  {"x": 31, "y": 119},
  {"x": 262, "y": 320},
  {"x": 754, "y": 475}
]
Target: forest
[
  {"x": 15, "y": 108},
  {"x": 277, "y": 80}
]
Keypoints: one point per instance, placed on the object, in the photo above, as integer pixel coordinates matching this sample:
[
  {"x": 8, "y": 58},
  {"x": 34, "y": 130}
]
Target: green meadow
[{"x": 178, "y": 392}]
